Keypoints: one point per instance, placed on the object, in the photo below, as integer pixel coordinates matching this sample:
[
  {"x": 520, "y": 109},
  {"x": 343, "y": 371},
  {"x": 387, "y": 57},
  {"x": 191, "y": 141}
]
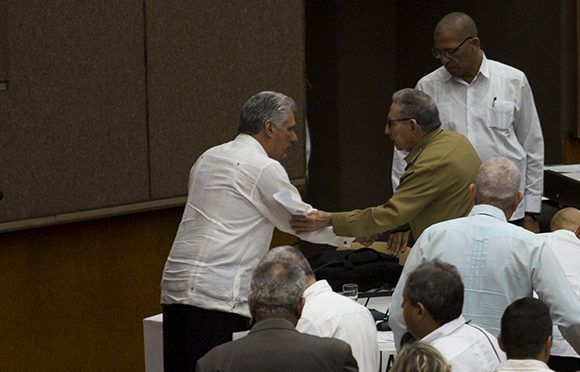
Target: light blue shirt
[{"x": 499, "y": 263}]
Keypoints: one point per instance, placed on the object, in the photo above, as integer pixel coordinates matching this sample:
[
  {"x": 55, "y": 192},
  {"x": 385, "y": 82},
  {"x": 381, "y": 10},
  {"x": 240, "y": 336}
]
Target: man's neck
[{"x": 470, "y": 76}]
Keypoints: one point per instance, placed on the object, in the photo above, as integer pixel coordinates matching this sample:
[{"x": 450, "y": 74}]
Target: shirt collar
[
  {"x": 444, "y": 330},
  {"x": 250, "y": 141},
  {"x": 317, "y": 288},
  {"x": 488, "y": 210},
  {"x": 428, "y": 137},
  {"x": 483, "y": 70}
]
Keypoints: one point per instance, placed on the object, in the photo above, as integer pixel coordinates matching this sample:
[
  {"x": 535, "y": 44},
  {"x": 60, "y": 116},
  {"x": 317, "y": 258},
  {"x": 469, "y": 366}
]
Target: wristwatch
[{"x": 535, "y": 216}]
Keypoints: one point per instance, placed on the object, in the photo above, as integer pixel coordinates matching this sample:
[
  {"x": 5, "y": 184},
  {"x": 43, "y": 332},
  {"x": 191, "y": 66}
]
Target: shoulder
[
  {"x": 437, "y": 75},
  {"x": 502, "y": 70}
]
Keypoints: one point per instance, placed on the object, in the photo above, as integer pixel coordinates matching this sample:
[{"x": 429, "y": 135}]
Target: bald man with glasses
[{"x": 488, "y": 102}]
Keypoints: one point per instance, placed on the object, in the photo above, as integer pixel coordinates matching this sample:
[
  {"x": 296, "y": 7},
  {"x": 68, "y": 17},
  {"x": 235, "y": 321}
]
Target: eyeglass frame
[
  {"x": 390, "y": 122},
  {"x": 438, "y": 53}
]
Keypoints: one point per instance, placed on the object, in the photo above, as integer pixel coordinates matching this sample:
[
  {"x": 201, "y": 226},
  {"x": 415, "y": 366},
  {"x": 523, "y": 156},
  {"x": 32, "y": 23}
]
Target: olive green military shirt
[{"x": 434, "y": 188}]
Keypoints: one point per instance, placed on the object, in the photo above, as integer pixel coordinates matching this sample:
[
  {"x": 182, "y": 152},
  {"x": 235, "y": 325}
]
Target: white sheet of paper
[
  {"x": 291, "y": 203},
  {"x": 566, "y": 168}
]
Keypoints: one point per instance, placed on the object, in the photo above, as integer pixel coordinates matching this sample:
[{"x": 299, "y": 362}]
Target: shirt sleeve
[
  {"x": 529, "y": 134},
  {"x": 552, "y": 286},
  {"x": 396, "y": 320},
  {"x": 419, "y": 186},
  {"x": 273, "y": 179},
  {"x": 398, "y": 167}
]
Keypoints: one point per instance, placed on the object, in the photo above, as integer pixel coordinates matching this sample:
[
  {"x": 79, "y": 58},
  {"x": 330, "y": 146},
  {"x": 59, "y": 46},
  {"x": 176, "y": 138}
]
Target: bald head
[
  {"x": 460, "y": 23},
  {"x": 566, "y": 219}
]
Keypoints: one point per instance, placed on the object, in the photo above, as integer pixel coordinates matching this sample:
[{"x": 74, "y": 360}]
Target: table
[
  {"x": 562, "y": 184},
  {"x": 153, "y": 337}
]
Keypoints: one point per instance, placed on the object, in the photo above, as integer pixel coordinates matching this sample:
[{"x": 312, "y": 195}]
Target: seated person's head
[
  {"x": 498, "y": 183},
  {"x": 276, "y": 291},
  {"x": 566, "y": 219},
  {"x": 291, "y": 256},
  {"x": 526, "y": 330},
  {"x": 420, "y": 357},
  {"x": 433, "y": 296}
]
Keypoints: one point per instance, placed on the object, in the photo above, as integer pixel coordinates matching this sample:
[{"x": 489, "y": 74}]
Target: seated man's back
[
  {"x": 329, "y": 314},
  {"x": 274, "y": 345}
]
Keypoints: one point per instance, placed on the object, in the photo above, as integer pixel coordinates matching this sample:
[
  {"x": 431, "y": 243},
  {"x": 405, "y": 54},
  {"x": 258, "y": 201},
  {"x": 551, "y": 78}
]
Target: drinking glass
[{"x": 350, "y": 290}]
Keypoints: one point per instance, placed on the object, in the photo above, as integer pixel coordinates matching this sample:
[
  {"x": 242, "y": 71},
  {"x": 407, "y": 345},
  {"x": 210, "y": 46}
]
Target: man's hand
[
  {"x": 398, "y": 242},
  {"x": 312, "y": 221},
  {"x": 529, "y": 223},
  {"x": 367, "y": 240}
]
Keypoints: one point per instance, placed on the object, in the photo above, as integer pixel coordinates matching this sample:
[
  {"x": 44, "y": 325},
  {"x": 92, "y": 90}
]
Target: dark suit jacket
[{"x": 274, "y": 345}]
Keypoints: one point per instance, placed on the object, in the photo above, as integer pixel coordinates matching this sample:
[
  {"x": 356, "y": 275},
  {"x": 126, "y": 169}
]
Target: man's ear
[
  {"x": 472, "y": 189},
  {"x": 269, "y": 128},
  {"x": 500, "y": 342},
  {"x": 421, "y": 310},
  {"x": 251, "y": 304},
  {"x": 476, "y": 42},
  {"x": 298, "y": 309},
  {"x": 578, "y": 232},
  {"x": 518, "y": 199}
]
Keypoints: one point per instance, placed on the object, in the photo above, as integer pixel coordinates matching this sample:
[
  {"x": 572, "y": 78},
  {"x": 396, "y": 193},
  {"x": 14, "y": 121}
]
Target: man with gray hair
[
  {"x": 434, "y": 188},
  {"x": 498, "y": 261},
  {"x": 273, "y": 345},
  {"x": 226, "y": 228},
  {"x": 329, "y": 314}
]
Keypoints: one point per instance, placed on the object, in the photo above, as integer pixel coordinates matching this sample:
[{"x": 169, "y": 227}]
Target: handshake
[{"x": 317, "y": 219}]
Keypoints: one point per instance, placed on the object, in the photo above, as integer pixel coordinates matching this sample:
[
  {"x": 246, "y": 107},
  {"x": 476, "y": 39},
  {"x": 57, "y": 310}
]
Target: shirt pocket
[{"x": 501, "y": 115}]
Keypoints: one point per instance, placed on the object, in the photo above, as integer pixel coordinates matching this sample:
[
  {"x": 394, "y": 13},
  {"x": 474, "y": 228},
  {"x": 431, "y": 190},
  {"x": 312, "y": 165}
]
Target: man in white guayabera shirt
[
  {"x": 565, "y": 242},
  {"x": 226, "y": 228},
  {"x": 488, "y": 102}
]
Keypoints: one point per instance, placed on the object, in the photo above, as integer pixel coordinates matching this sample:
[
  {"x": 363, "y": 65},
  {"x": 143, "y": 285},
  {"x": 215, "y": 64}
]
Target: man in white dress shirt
[
  {"x": 488, "y": 102},
  {"x": 498, "y": 261},
  {"x": 227, "y": 226},
  {"x": 329, "y": 314},
  {"x": 432, "y": 303},
  {"x": 565, "y": 242},
  {"x": 526, "y": 336}
]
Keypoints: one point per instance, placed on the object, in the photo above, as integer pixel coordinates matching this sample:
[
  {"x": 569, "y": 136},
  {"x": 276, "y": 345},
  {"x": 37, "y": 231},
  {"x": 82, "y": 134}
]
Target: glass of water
[{"x": 350, "y": 290}]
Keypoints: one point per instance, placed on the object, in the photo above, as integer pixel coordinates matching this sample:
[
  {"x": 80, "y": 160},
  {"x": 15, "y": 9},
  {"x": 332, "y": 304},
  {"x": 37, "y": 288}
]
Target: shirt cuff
[{"x": 533, "y": 203}]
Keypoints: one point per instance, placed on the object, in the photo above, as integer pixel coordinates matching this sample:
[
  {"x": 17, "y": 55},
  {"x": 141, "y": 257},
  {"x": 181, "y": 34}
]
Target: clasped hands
[{"x": 319, "y": 219}]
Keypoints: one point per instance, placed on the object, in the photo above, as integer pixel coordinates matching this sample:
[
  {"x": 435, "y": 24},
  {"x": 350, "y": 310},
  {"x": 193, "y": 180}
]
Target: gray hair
[
  {"x": 277, "y": 288},
  {"x": 290, "y": 255},
  {"x": 497, "y": 183},
  {"x": 420, "y": 357},
  {"x": 413, "y": 103},
  {"x": 262, "y": 107},
  {"x": 438, "y": 286}
]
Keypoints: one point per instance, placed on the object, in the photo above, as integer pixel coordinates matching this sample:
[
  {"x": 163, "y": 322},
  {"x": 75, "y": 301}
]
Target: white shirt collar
[
  {"x": 444, "y": 330},
  {"x": 250, "y": 140},
  {"x": 317, "y": 288},
  {"x": 488, "y": 210}
]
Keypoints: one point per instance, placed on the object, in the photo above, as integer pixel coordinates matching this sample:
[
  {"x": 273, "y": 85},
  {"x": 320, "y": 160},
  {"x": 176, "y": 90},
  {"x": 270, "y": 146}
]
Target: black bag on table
[{"x": 365, "y": 266}]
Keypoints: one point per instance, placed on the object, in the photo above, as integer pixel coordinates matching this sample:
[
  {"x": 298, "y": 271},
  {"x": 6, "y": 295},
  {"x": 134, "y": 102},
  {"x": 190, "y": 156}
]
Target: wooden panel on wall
[
  {"x": 203, "y": 63},
  {"x": 74, "y": 296},
  {"x": 73, "y": 117}
]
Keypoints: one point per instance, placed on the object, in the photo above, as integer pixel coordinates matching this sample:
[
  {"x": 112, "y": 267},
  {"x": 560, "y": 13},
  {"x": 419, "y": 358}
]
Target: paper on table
[
  {"x": 565, "y": 168},
  {"x": 292, "y": 202},
  {"x": 386, "y": 336}
]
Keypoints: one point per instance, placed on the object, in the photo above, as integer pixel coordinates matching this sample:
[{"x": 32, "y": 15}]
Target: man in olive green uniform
[{"x": 434, "y": 187}]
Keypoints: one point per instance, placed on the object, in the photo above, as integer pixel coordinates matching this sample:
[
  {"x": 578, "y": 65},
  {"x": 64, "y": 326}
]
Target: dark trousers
[
  {"x": 564, "y": 364},
  {"x": 189, "y": 332}
]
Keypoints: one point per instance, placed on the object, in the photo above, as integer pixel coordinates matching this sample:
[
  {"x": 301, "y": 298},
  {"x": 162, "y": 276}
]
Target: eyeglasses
[
  {"x": 390, "y": 122},
  {"x": 438, "y": 53}
]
